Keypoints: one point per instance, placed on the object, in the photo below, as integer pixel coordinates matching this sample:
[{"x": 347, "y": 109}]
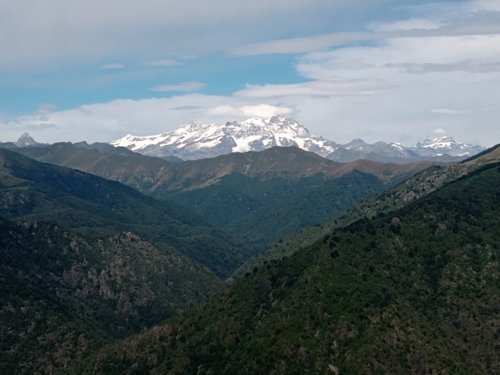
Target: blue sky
[{"x": 378, "y": 70}]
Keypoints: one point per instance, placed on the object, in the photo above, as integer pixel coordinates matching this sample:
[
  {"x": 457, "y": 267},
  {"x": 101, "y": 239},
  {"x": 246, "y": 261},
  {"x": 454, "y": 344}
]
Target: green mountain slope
[
  {"x": 64, "y": 294},
  {"x": 149, "y": 174},
  {"x": 415, "y": 291},
  {"x": 263, "y": 210},
  {"x": 261, "y": 196},
  {"x": 416, "y": 186},
  {"x": 35, "y": 191}
]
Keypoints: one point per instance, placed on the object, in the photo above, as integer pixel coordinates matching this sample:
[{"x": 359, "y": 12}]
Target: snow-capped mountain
[
  {"x": 199, "y": 140},
  {"x": 445, "y": 146},
  {"x": 441, "y": 148},
  {"x": 380, "y": 151}
]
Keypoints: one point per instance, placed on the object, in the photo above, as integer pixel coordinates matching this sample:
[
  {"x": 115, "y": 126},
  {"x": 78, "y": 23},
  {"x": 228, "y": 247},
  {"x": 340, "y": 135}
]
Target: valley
[
  {"x": 244, "y": 245},
  {"x": 260, "y": 187},
  {"x": 251, "y": 194},
  {"x": 414, "y": 290}
]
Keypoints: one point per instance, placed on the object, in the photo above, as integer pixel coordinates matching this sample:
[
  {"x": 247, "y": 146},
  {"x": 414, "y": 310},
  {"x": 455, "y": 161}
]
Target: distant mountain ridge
[
  {"x": 253, "y": 194},
  {"x": 150, "y": 174},
  {"x": 445, "y": 146},
  {"x": 199, "y": 140}
]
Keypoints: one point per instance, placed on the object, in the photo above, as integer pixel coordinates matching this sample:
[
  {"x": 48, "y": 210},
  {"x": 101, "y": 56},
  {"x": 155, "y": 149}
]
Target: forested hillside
[
  {"x": 65, "y": 294},
  {"x": 413, "y": 291}
]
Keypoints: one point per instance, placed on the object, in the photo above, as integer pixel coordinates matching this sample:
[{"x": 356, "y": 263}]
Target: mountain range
[
  {"x": 34, "y": 191},
  {"x": 413, "y": 290},
  {"x": 399, "y": 195},
  {"x": 261, "y": 196},
  {"x": 104, "y": 252},
  {"x": 199, "y": 140}
]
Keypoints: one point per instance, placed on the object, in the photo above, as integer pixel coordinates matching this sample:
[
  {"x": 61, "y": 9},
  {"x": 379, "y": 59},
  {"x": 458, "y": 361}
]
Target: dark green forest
[
  {"x": 35, "y": 191},
  {"x": 65, "y": 294},
  {"x": 100, "y": 278},
  {"x": 413, "y": 291}
]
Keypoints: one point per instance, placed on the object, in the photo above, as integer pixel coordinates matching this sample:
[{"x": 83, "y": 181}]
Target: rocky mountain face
[
  {"x": 199, "y": 140},
  {"x": 25, "y": 140}
]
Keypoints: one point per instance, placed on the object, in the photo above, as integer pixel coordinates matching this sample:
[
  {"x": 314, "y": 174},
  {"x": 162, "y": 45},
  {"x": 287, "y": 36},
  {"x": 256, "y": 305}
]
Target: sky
[{"x": 391, "y": 70}]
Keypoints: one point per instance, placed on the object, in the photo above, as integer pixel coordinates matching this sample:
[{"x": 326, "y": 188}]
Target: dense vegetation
[
  {"x": 416, "y": 186},
  {"x": 392, "y": 286},
  {"x": 415, "y": 291},
  {"x": 263, "y": 210},
  {"x": 35, "y": 191},
  {"x": 260, "y": 196},
  {"x": 65, "y": 294}
]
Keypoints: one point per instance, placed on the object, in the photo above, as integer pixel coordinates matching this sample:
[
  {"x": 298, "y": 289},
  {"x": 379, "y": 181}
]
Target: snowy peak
[
  {"x": 199, "y": 140},
  {"x": 445, "y": 145},
  {"x": 379, "y": 151},
  {"x": 439, "y": 142},
  {"x": 442, "y": 148}
]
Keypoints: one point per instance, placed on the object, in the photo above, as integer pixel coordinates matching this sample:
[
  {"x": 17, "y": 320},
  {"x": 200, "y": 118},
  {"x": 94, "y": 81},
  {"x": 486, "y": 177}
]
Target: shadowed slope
[{"x": 35, "y": 191}]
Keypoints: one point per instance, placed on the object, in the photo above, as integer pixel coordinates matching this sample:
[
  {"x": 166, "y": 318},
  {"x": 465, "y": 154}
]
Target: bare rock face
[{"x": 25, "y": 140}]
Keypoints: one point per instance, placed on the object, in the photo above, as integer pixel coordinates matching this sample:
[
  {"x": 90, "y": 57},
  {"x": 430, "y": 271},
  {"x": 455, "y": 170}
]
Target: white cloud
[
  {"x": 38, "y": 33},
  {"x": 488, "y": 5},
  {"x": 395, "y": 53},
  {"x": 461, "y": 18},
  {"x": 113, "y": 119},
  {"x": 439, "y": 132},
  {"x": 112, "y": 66},
  {"x": 400, "y": 114},
  {"x": 325, "y": 88},
  {"x": 419, "y": 77},
  {"x": 183, "y": 87},
  {"x": 399, "y": 81},
  {"x": 261, "y": 110}
]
